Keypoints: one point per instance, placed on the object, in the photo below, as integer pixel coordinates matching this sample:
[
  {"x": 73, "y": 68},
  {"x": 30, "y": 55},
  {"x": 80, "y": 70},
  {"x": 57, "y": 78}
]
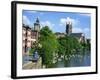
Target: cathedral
[
  {"x": 68, "y": 32},
  {"x": 79, "y": 36}
]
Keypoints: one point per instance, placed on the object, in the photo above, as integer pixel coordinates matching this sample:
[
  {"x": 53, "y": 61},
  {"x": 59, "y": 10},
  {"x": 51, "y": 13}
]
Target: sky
[{"x": 81, "y": 22}]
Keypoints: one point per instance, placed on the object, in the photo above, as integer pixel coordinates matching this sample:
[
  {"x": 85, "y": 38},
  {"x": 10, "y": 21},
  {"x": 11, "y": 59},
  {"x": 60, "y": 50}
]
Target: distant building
[
  {"x": 68, "y": 28},
  {"x": 58, "y": 34},
  {"x": 68, "y": 32},
  {"x": 37, "y": 25},
  {"x": 30, "y": 36},
  {"x": 37, "y": 29},
  {"x": 79, "y": 36}
]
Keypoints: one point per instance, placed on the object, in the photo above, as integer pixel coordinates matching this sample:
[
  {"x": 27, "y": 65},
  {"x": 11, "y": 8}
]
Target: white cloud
[
  {"x": 74, "y": 22},
  {"x": 26, "y": 21},
  {"x": 63, "y": 21},
  {"x": 47, "y": 23},
  {"x": 82, "y": 30},
  {"x": 77, "y": 30},
  {"x": 75, "y": 26}
]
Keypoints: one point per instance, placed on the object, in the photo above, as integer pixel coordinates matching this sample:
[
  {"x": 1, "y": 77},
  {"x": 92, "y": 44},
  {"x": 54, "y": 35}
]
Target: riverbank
[{"x": 33, "y": 65}]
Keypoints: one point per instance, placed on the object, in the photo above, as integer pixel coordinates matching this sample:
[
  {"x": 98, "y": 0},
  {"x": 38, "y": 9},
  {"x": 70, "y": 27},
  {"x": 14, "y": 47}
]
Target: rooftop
[{"x": 77, "y": 34}]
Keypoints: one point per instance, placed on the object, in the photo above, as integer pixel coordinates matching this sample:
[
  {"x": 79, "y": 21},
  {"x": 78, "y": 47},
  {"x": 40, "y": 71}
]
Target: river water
[{"x": 75, "y": 60}]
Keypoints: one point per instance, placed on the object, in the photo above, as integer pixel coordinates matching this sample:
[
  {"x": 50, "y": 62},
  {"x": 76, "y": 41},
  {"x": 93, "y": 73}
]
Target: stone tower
[
  {"x": 68, "y": 28},
  {"x": 37, "y": 25}
]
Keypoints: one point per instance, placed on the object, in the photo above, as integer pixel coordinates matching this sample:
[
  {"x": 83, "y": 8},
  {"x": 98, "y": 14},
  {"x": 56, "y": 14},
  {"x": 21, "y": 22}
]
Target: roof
[
  {"x": 26, "y": 26},
  {"x": 58, "y": 33},
  {"x": 77, "y": 35}
]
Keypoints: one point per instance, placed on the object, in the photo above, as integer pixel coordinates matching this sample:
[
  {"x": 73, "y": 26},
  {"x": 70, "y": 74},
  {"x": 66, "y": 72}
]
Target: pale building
[
  {"x": 59, "y": 35},
  {"x": 30, "y": 36},
  {"x": 79, "y": 36}
]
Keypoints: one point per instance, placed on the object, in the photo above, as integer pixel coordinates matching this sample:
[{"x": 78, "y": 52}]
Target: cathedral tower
[{"x": 68, "y": 28}]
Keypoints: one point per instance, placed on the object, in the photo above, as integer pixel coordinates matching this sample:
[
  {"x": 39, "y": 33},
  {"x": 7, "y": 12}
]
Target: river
[
  {"x": 75, "y": 60},
  {"x": 78, "y": 59}
]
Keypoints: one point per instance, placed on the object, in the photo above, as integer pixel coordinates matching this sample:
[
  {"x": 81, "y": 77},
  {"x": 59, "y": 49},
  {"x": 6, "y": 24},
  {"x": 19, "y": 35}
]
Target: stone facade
[
  {"x": 68, "y": 32},
  {"x": 29, "y": 36}
]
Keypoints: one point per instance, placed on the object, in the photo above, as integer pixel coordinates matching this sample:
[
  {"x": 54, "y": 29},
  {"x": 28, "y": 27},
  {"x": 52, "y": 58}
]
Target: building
[
  {"x": 37, "y": 25},
  {"x": 58, "y": 34},
  {"x": 36, "y": 30},
  {"x": 68, "y": 32},
  {"x": 79, "y": 36},
  {"x": 25, "y": 34},
  {"x": 68, "y": 28},
  {"x": 30, "y": 36}
]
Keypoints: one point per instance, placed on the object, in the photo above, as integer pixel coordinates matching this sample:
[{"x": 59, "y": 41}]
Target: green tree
[
  {"x": 67, "y": 45},
  {"x": 49, "y": 45},
  {"x": 62, "y": 46}
]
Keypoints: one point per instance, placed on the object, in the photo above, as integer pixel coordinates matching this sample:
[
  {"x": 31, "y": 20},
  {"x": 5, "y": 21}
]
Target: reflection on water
[{"x": 75, "y": 60}]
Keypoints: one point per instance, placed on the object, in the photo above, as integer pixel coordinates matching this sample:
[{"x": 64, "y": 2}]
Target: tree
[
  {"x": 62, "y": 46},
  {"x": 49, "y": 45},
  {"x": 67, "y": 45}
]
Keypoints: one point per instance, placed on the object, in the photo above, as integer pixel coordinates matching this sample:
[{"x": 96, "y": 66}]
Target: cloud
[
  {"x": 77, "y": 30},
  {"x": 47, "y": 23},
  {"x": 75, "y": 26},
  {"x": 74, "y": 22},
  {"x": 26, "y": 20}
]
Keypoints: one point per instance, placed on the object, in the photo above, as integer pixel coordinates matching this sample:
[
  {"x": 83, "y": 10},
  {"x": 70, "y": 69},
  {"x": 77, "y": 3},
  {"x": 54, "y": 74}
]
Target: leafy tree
[
  {"x": 49, "y": 45},
  {"x": 67, "y": 44},
  {"x": 62, "y": 46}
]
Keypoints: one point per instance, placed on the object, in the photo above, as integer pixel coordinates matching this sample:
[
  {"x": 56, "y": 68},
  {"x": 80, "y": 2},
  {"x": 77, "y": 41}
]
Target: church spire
[
  {"x": 37, "y": 20},
  {"x": 37, "y": 25}
]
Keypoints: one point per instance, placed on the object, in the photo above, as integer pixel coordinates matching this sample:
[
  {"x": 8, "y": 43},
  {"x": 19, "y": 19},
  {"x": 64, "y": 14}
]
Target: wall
[{"x": 5, "y": 40}]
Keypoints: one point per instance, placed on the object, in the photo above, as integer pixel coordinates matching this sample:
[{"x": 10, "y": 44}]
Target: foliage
[
  {"x": 86, "y": 45},
  {"x": 67, "y": 44},
  {"x": 62, "y": 46},
  {"x": 49, "y": 45}
]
